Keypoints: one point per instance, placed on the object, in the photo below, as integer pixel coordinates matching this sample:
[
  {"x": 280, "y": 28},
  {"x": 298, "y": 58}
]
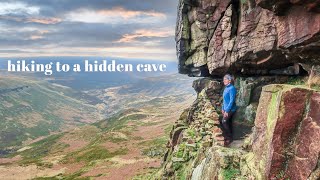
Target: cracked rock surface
[{"x": 247, "y": 36}]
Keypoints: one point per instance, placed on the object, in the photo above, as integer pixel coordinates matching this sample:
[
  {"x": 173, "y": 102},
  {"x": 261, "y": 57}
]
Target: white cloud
[
  {"x": 21, "y": 12},
  {"x": 17, "y": 8}
]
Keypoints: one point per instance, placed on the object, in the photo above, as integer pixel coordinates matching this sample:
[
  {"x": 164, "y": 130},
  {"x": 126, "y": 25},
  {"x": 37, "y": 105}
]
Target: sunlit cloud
[
  {"x": 43, "y": 20},
  {"x": 116, "y": 15},
  {"x": 146, "y": 33},
  {"x": 127, "y": 14},
  {"x": 167, "y": 54},
  {"x": 35, "y": 37},
  {"x": 121, "y": 29},
  {"x": 39, "y": 35}
]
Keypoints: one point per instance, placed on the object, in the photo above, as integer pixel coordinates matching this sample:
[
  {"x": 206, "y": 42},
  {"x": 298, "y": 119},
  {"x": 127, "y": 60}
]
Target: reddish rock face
[
  {"x": 307, "y": 143},
  {"x": 287, "y": 132},
  {"x": 280, "y": 6},
  {"x": 297, "y": 27},
  {"x": 286, "y": 128},
  {"x": 247, "y": 37}
]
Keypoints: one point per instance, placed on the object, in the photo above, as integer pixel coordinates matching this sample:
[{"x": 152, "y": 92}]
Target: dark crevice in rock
[
  {"x": 279, "y": 7},
  {"x": 235, "y": 17},
  {"x": 221, "y": 16},
  {"x": 302, "y": 71},
  {"x": 193, "y": 3},
  {"x": 201, "y": 71},
  {"x": 252, "y": 3}
]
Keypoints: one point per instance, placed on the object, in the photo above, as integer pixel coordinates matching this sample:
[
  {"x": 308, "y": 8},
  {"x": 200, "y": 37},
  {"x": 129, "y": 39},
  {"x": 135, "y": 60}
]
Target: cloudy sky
[{"x": 111, "y": 28}]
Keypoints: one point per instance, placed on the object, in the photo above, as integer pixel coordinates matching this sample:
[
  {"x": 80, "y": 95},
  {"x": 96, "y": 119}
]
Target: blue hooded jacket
[{"x": 229, "y": 99}]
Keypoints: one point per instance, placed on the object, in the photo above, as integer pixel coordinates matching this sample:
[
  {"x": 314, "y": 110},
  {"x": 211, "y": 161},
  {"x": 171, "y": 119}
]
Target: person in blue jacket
[{"x": 228, "y": 107}]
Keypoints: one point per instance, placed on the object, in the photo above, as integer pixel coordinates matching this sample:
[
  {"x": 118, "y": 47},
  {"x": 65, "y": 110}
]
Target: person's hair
[{"x": 229, "y": 77}]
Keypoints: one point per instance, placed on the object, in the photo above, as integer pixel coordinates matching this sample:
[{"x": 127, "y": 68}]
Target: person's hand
[{"x": 225, "y": 114}]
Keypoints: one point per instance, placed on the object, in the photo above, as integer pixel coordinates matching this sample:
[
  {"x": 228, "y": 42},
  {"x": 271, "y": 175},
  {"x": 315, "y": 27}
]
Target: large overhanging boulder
[{"x": 218, "y": 36}]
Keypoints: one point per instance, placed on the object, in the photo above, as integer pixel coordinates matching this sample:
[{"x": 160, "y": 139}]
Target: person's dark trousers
[{"x": 227, "y": 126}]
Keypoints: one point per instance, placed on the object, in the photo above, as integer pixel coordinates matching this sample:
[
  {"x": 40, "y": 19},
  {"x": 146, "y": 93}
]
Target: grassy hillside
[
  {"x": 129, "y": 144},
  {"x": 31, "y": 108}
]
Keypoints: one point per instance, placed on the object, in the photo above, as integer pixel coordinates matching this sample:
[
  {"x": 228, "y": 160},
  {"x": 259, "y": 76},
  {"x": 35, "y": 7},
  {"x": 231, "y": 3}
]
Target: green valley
[
  {"x": 112, "y": 133},
  {"x": 38, "y": 109}
]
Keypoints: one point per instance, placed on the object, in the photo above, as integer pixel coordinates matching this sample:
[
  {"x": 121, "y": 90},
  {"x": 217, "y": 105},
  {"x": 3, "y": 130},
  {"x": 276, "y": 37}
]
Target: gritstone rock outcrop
[
  {"x": 246, "y": 37},
  {"x": 267, "y": 45}
]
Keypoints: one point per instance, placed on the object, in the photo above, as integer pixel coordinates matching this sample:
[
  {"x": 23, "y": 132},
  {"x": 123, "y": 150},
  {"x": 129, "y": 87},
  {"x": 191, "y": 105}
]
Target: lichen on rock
[
  {"x": 284, "y": 142},
  {"x": 286, "y": 129},
  {"x": 266, "y": 45}
]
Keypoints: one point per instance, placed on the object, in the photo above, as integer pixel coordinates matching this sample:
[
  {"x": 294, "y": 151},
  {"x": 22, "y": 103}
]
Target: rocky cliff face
[
  {"x": 284, "y": 142},
  {"x": 272, "y": 49},
  {"x": 246, "y": 37}
]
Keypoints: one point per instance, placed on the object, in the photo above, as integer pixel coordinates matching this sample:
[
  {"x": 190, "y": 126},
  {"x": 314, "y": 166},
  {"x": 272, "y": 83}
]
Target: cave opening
[{"x": 302, "y": 71}]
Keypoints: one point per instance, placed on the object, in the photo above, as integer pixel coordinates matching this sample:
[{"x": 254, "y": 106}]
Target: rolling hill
[
  {"x": 57, "y": 131},
  {"x": 128, "y": 144},
  {"x": 31, "y": 108}
]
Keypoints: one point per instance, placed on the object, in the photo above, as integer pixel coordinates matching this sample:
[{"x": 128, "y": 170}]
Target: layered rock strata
[
  {"x": 283, "y": 145},
  {"x": 246, "y": 37}
]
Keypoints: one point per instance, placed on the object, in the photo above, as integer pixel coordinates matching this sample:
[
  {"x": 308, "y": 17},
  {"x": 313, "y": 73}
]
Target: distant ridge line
[{"x": 17, "y": 89}]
